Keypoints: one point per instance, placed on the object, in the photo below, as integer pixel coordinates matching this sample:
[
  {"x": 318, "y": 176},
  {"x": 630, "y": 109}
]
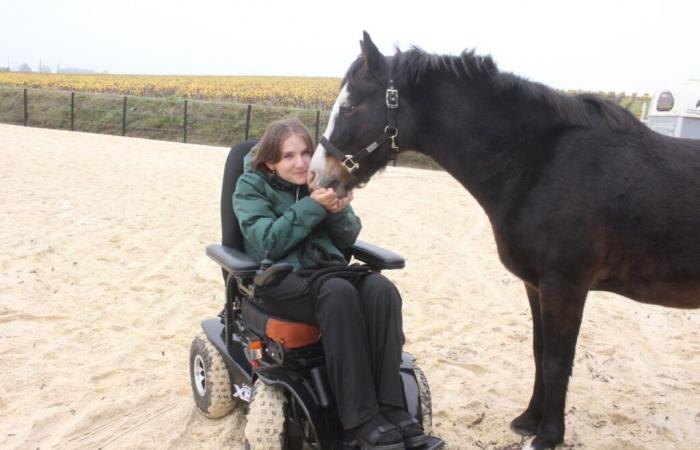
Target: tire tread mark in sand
[
  {"x": 157, "y": 265},
  {"x": 107, "y": 429}
]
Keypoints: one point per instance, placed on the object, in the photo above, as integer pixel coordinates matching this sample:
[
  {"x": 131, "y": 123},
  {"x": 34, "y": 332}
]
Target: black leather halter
[{"x": 352, "y": 162}]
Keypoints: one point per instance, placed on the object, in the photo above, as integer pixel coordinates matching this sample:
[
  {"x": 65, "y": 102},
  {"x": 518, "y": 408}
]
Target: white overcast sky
[{"x": 633, "y": 46}]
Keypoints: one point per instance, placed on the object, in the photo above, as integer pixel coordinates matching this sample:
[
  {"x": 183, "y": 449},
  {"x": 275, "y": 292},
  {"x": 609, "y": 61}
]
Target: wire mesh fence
[
  {"x": 11, "y": 106},
  {"x": 168, "y": 118},
  {"x": 95, "y": 113}
]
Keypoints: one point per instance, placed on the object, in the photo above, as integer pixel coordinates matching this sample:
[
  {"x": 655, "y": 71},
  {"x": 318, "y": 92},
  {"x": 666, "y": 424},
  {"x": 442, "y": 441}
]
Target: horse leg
[
  {"x": 561, "y": 311},
  {"x": 526, "y": 423}
]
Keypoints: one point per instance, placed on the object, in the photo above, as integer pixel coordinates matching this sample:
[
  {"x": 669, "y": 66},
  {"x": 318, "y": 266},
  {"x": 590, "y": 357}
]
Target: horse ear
[{"x": 374, "y": 60}]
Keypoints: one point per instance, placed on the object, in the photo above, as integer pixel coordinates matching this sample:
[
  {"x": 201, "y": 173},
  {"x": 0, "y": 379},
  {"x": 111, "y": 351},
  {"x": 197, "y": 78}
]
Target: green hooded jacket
[{"x": 280, "y": 217}]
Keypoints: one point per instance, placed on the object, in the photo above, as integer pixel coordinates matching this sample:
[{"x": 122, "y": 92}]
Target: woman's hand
[
  {"x": 330, "y": 201},
  {"x": 325, "y": 197},
  {"x": 341, "y": 203}
]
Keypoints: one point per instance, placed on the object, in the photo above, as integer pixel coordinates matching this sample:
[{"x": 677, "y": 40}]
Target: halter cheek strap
[{"x": 352, "y": 162}]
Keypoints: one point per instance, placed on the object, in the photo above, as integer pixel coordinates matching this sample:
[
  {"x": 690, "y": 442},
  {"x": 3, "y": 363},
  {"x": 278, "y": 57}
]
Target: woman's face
[{"x": 295, "y": 159}]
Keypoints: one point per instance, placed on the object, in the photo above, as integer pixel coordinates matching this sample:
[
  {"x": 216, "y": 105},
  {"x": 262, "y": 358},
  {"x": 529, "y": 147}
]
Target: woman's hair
[{"x": 270, "y": 146}]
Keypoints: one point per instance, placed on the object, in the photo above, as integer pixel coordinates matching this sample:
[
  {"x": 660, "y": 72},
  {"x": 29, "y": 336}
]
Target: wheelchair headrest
[{"x": 230, "y": 231}]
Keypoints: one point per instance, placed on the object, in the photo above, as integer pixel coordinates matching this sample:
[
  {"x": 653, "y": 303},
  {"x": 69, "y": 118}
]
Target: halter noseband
[{"x": 352, "y": 162}]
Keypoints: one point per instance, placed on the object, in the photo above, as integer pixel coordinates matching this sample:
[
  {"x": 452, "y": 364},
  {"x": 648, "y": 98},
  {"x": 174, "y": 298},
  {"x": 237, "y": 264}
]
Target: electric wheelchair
[{"x": 246, "y": 356}]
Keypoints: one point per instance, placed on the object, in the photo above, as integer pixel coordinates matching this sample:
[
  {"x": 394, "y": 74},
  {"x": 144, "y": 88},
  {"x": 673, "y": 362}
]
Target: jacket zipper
[{"x": 297, "y": 194}]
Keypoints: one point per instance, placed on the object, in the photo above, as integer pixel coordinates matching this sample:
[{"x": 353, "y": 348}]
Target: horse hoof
[
  {"x": 521, "y": 431},
  {"x": 524, "y": 425}
]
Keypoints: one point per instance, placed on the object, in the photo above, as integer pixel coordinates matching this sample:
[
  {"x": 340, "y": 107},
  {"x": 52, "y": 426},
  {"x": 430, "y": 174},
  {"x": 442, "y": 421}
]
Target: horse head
[{"x": 362, "y": 131}]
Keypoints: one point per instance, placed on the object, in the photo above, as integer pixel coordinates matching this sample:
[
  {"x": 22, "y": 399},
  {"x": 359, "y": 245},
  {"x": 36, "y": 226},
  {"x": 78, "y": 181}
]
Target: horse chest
[{"x": 516, "y": 257}]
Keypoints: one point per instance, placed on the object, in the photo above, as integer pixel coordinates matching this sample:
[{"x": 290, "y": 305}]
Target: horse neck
[{"x": 489, "y": 145}]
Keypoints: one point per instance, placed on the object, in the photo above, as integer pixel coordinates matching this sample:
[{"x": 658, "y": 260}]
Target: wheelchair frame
[{"x": 299, "y": 372}]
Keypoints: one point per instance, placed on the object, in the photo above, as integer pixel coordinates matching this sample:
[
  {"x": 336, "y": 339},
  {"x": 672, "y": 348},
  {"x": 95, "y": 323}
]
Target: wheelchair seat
[{"x": 289, "y": 334}]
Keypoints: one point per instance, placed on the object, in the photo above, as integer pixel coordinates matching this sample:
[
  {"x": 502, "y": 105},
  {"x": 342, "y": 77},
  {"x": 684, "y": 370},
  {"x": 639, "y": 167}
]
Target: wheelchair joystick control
[
  {"x": 266, "y": 262},
  {"x": 271, "y": 274}
]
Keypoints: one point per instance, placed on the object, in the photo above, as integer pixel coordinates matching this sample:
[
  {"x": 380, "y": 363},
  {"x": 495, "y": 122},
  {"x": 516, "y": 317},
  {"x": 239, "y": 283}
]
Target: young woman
[{"x": 360, "y": 318}]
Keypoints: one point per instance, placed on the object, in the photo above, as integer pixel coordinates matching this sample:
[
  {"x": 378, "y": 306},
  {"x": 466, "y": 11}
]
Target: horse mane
[{"x": 574, "y": 110}]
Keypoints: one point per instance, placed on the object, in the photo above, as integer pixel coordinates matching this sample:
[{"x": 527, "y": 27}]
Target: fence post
[
  {"x": 184, "y": 126},
  {"x": 247, "y": 122},
  {"x": 72, "y": 109},
  {"x": 26, "y": 113},
  {"x": 124, "y": 117},
  {"x": 318, "y": 117}
]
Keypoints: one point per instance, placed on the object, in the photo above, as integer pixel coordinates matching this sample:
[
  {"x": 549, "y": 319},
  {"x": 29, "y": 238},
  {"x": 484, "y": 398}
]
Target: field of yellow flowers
[
  {"x": 300, "y": 92},
  {"x": 296, "y": 92}
]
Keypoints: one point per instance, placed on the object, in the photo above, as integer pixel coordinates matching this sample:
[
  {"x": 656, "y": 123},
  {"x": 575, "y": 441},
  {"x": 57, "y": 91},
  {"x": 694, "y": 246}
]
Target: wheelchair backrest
[{"x": 230, "y": 230}]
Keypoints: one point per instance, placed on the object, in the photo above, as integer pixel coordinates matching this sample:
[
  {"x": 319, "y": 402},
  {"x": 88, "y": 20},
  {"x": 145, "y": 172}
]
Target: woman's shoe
[
  {"x": 413, "y": 435},
  {"x": 410, "y": 429},
  {"x": 378, "y": 434}
]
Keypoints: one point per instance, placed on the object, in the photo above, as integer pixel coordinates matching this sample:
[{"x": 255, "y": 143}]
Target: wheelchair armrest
[
  {"x": 376, "y": 256},
  {"x": 232, "y": 260}
]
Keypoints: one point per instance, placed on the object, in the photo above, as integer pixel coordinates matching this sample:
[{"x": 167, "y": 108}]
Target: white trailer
[{"x": 676, "y": 111}]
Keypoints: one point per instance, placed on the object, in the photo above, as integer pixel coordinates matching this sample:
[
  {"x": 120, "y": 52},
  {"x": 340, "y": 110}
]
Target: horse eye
[{"x": 346, "y": 109}]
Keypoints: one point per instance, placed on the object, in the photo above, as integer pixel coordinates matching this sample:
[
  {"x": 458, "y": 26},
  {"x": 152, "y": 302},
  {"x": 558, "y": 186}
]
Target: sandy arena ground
[{"x": 104, "y": 281}]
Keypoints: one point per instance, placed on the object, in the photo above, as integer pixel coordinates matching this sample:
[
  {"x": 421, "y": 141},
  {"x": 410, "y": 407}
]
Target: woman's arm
[
  {"x": 343, "y": 227},
  {"x": 260, "y": 225}
]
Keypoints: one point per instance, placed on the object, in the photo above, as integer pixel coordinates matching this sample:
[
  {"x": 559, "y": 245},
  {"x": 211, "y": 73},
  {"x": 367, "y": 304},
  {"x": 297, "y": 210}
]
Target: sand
[{"x": 104, "y": 281}]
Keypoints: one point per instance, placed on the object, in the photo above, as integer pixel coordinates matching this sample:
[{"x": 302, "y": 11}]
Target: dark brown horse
[{"x": 581, "y": 196}]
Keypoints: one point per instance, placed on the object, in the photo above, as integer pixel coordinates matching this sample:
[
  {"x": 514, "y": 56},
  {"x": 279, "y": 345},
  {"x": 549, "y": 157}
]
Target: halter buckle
[
  {"x": 394, "y": 147},
  {"x": 350, "y": 164},
  {"x": 392, "y": 98},
  {"x": 392, "y": 132}
]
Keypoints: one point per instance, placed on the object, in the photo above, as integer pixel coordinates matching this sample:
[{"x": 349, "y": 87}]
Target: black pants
[{"x": 361, "y": 329}]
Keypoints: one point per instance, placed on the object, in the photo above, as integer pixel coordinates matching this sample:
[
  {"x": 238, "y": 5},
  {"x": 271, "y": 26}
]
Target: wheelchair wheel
[
  {"x": 271, "y": 423},
  {"x": 264, "y": 429},
  {"x": 209, "y": 378},
  {"x": 425, "y": 400}
]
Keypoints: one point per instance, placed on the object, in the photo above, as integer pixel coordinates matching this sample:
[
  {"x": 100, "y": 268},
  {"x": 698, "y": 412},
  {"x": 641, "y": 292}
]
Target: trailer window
[{"x": 665, "y": 102}]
